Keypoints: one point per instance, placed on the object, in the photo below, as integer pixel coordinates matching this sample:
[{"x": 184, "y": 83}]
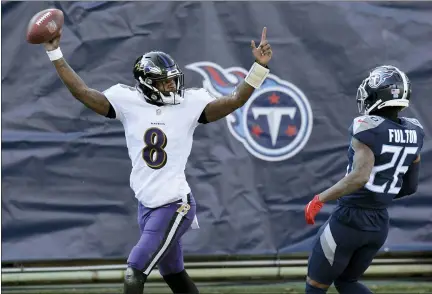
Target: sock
[
  {"x": 314, "y": 290},
  {"x": 181, "y": 283},
  {"x": 354, "y": 287}
]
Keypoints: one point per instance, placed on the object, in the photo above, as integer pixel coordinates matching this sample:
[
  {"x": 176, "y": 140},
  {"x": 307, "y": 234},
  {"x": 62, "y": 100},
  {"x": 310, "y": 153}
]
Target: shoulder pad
[
  {"x": 201, "y": 93},
  {"x": 413, "y": 121},
  {"x": 127, "y": 87},
  {"x": 366, "y": 122},
  {"x": 192, "y": 89},
  {"x": 119, "y": 87},
  {"x": 195, "y": 91}
]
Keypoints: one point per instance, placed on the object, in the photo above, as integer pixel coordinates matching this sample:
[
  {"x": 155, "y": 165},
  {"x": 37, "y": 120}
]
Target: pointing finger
[{"x": 264, "y": 34}]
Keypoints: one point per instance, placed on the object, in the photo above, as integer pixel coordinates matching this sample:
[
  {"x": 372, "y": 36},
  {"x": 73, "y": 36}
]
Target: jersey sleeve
[
  {"x": 365, "y": 129},
  {"x": 200, "y": 99},
  {"x": 422, "y": 134},
  {"x": 420, "y": 139},
  {"x": 115, "y": 95},
  {"x": 420, "y": 131}
]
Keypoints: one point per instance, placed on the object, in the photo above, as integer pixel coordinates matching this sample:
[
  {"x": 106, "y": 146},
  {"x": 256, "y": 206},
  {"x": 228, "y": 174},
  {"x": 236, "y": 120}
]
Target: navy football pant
[
  {"x": 341, "y": 254},
  {"x": 161, "y": 232}
]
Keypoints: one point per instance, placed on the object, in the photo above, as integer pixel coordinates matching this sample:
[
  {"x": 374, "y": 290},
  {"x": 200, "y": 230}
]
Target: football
[{"x": 44, "y": 26}]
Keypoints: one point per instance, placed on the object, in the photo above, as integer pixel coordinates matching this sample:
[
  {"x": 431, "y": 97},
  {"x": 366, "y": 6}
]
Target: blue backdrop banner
[{"x": 65, "y": 170}]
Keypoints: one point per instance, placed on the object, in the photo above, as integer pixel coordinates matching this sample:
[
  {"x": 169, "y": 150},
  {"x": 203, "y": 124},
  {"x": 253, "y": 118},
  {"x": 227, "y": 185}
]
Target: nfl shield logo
[{"x": 51, "y": 26}]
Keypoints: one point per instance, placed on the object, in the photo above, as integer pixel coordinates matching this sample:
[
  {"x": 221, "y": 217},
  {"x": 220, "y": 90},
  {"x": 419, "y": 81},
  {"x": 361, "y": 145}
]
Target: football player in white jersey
[{"x": 159, "y": 144}]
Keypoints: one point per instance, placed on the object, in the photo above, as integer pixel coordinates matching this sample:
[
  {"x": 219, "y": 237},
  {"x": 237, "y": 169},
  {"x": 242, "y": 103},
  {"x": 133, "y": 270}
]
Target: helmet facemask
[
  {"x": 159, "y": 94},
  {"x": 362, "y": 95}
]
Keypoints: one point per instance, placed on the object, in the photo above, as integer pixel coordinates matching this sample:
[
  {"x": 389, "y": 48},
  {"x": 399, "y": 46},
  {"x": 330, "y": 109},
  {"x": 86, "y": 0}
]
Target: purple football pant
[{"x": 161, "y": 232}]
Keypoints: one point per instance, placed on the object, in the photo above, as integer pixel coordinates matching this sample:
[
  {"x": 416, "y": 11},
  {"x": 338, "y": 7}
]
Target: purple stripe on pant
[{"x": 161, "y": 232}]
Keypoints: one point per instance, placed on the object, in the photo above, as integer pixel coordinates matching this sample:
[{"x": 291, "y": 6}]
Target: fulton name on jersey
[
  {"x": 402, "y": 136},
  {"x": 159, "y": 141}
]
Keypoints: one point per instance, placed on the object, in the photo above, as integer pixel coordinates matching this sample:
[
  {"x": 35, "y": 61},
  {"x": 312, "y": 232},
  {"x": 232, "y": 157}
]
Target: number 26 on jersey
[{"x": 396, "y": 165}]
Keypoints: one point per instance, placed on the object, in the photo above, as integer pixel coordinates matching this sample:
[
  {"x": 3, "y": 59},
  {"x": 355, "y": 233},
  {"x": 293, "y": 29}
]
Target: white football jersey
[{"x": 159, "y": 141}]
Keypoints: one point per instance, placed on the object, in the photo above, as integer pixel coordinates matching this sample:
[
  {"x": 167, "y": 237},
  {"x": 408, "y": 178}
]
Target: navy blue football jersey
[{"x": 395, "y": 146}]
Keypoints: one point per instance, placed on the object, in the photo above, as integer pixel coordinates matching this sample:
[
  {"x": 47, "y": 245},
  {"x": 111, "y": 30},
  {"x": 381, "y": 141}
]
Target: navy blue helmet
[
  {"x": 154, "y": 67},
  {"x": 386, "y": 86}
]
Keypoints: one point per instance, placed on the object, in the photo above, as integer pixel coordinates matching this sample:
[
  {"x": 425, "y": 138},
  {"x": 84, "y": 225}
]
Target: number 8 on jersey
[{"x": 153, "y": 153}]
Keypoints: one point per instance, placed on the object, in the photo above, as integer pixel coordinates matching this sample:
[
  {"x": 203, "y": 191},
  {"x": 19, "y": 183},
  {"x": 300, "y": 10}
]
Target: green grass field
[{"x": 270, "y": 287}]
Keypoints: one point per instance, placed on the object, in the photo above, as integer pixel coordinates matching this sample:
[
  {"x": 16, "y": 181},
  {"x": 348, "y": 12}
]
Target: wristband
[
  {"x": 256, "y": 75},
  {"x": 55, "y": 54}
]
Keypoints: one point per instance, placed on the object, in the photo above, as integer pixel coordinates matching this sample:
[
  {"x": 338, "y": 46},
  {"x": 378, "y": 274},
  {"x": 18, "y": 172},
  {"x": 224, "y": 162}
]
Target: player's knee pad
[
  {"x": 309, "y": 289},
  {"x": 351, "y": 287},
  {"x": 181, "y": 283},
  {"x": 134, "y": 281}
]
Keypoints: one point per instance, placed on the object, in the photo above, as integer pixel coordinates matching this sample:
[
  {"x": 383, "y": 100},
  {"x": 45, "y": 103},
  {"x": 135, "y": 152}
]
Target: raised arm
[
  {"x": 91, "y": 98},
  {"x": 223, "y": 106}
]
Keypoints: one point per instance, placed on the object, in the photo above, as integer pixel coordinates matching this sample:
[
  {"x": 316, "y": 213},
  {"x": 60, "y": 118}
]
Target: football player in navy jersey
[{"x": 384, "y": 157}]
